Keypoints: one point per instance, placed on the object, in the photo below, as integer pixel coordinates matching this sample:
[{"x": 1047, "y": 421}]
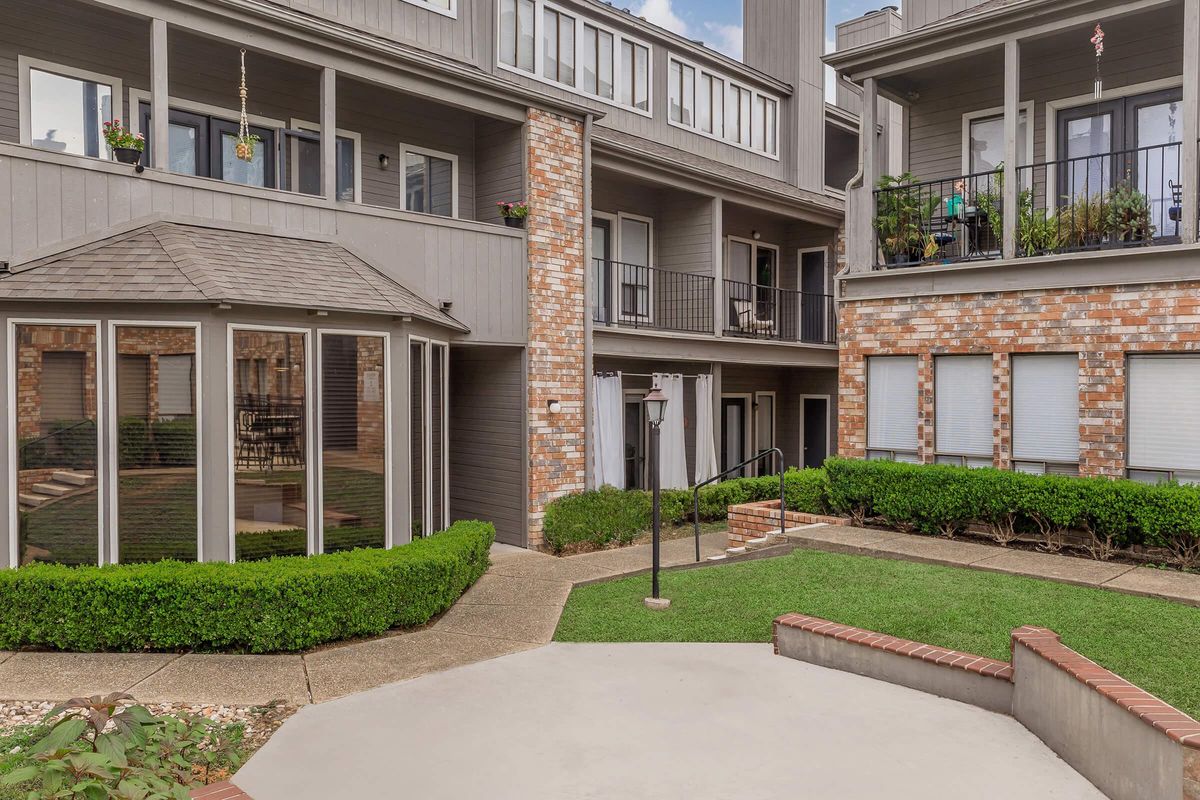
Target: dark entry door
[
  {"x": 635, "y": 444},
  {"x": 734, "y": 412},
  {"x": 602, "y": 263},
  {"x": 816, "y": 429}
]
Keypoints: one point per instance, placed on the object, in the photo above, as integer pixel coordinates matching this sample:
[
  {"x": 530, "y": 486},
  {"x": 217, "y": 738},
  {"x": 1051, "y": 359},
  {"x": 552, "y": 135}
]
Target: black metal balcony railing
[
  {"x": 1127, "y": 198},
  {"x": 634, "y": 296},
  {"x": 767, "y": 312},
  {"x": 939, "y": 221}
]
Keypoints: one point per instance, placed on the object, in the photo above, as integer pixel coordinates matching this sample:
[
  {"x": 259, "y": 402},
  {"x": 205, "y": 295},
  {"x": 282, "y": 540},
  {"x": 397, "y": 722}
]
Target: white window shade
[
  {"x": 175, "y": 385},
  {"x": 892, "y": 403},
  {"x": 1164, "y": 428},
  {"x": 1045, "y": 408},
  {"x": 963, "y": 410}
]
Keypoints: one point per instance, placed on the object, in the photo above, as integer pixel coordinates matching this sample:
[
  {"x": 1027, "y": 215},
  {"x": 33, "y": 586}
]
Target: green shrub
[
  {"x": 175, "y": 441},
  {"x": 282, "y": 604},
  {"x": 133, "y": 442}
]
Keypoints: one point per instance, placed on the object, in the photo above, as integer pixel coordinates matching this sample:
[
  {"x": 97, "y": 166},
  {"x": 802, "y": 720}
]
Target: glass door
[
  {"x": 635, "y": 442},
  {"x": 602, "y": 266},
  {"x": 1088, "y": 136},
  {"x": 1155, "y": 125},
  {"x": 766, "y": 286},
  {"x": 734, "y": 414},
  {"x": 636, "y": 289}
]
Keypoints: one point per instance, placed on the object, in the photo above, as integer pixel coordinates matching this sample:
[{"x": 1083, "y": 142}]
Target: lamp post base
[{"x": 657, "y": 603}]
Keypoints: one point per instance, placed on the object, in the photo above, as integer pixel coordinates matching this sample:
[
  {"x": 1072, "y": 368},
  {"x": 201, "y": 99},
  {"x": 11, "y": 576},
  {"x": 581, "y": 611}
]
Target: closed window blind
[
  {"x": 1045, "y": 408},
  {"x": 963, "y": 405},
  {"x": 892, "y": 403},
  {"x": 176, "y": 385},
  {"x": 1164, "y": 428}
]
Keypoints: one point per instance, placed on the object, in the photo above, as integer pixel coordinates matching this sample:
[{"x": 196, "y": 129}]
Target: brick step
[
  {"x": 73, "y": 478},
  {"x": 53, "y": 489}
]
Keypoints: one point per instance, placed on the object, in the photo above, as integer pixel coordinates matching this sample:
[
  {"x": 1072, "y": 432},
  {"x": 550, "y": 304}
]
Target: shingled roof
[{"x": 167, "y": 262}]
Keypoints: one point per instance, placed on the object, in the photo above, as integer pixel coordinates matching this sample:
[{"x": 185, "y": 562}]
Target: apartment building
[
  {"x": 257, "y": 340},
  {"x": 1026, "y": 297}
]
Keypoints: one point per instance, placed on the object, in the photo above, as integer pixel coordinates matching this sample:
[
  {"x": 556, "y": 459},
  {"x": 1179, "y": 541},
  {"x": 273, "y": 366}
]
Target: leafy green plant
[
  {"x": 902, "y": 216},
  {"x": 1083, "y": 221},
  {"x": 1127, "y": 217},
  {"x": 104, "y": 747},
  {"x": 1038, "y": 230},
  {"x": 133, "y": 442}
]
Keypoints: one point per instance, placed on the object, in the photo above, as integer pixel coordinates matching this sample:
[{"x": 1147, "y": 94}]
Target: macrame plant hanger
[{"x": 244, "y": 148}]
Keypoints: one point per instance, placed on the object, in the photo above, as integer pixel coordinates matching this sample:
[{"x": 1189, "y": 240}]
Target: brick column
[
  {"x": 556, "y": 312},
  {"x": 852, "y": 387},
  {"x": 1001, "y": 410},
  {"x": 925, "y": 408},
  {"x": 1102, "y": 413}
]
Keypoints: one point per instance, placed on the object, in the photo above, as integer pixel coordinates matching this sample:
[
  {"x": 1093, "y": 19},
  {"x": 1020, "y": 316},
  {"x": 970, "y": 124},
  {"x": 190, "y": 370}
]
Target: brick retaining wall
[{"x": 755, "y": 520}]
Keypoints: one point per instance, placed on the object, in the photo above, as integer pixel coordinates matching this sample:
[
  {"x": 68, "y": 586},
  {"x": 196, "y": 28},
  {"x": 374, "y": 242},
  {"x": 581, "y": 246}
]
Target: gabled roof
[{"x": 169, "y": 262}]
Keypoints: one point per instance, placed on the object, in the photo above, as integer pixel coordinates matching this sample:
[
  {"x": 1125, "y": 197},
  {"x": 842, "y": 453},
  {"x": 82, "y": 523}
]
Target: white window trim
[
  {"x": 539, "y": 57},
  {"x": 614, "y": 278},
  {"x": 231, "y": 429},
  {"x": 427, "y": 524},
  {"x": 405, "y": 149},
  {"x": 25, "y": 102},
  {"x": 386, "y": 387},
  {"x": 451, "y": 12},
  {"x": 828, "y": 423},
  {"x": 315, "y": 127},
  {"x": 759, "y": 465},
  {"x": 101, "y": 467},
  {"x": 747, "y": 427},
  {"x": 113, "y": 422},
  {"x": 754, "y": 244},
  {"x": 754, "y": 95},
  {"x": 985, "y": 113}
]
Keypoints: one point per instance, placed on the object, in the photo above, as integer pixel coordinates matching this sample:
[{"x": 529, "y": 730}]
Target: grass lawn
[{"x": 1152, "y": 643}]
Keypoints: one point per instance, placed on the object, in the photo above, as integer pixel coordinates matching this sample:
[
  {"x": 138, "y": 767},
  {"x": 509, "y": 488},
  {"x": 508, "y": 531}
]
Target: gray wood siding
[
  {"x": 487, "y": 438},
  {"x": 924, "y": 12},
  {"x": 400, "y": 21},
  {"x": 499, "y": 166},
  {"x": 49, "y": 202},
  {"x": 864, "y": 30},
  {"x": 788, "y": 384},
  {"x": 685, "y": 234}
]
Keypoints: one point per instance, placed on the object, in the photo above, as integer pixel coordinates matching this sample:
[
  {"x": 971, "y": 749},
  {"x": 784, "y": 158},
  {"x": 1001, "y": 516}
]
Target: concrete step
[
  {"x": 73, "y": 478},
  {"x": 719, "y": 557},
  {"x": 32, "y": 500},
  {"x": 735, "y": 551},
  {"x": 53, "y": 489}
]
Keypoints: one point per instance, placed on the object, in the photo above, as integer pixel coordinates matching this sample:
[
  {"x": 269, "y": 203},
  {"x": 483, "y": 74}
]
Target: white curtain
[
  {"x": 706, "y": 445},
  {"x": 608, "y": 445},
  {"x": 672, "y": 466}
]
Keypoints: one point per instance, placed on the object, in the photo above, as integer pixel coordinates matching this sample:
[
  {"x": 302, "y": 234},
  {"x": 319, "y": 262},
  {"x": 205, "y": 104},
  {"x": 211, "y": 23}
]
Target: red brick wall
[
  {"x": 556, "y": 312},
  {"x": 1103, "y": 325},
  {"x": 32, "y": 341}
]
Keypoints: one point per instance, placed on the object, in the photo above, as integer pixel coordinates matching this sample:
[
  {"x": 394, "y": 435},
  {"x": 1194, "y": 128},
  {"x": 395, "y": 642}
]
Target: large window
[
  {"x": 963, "y": 410},
  {"x": 270, "y": 436},
  {"x": 156, "y": 443},
  {"x": 552, "y": 44},
  {"x": 714, "y": 105},
  {"x": 55, "y": 404},
  {"x": 983, "y": 139},
  {"x": 203, "y": 142},
  {"x": 305, "y": 157},
  {"x": 681, "y": 93},
  {"x": 1045, "y": 413},
  {"x": 430, "y": 181},
  {"x": 1164, "y": 429},
  {"x": 892, "y": 408},
  {"x": 428, "y": 366},
  {"x": 64, "y": 109},
  {"x": 354, "y": 441}
]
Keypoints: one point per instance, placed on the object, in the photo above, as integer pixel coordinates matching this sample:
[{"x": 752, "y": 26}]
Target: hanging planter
[
  {"x": 245, "y": 142},
  {"x": 514, "y": 213}
]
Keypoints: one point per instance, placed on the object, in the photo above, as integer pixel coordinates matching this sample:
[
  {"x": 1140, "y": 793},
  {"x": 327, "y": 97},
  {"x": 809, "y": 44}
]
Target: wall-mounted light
[
  {"x": 756, "y": 235},
  {"x": 554, "y": 406},
  {"x": 384, "y": 160}
]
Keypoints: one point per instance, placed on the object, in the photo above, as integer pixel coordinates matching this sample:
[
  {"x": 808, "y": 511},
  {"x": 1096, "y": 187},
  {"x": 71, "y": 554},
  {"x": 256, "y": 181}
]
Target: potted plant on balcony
[
  {"x": 1127, "y": 218},
  {"x": 126, "y": 147},
  {"x": 1038, "y": 230},
  {"x": 901, "y": 219},
  {"x": 1083, "y": 222},
  {"x": 514, "y": 213}
]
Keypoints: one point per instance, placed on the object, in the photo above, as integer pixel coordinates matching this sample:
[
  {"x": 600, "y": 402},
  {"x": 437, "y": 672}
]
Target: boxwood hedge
[
  {"x": 598, "y": 518},
  {"x": 282, "y": 604}
]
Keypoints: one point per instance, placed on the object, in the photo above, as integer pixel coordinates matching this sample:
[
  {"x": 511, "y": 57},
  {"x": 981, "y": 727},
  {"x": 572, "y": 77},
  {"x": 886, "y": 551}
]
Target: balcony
[
  {"x": 768, "y": 312},
  {"x": 636, "y": 296}
]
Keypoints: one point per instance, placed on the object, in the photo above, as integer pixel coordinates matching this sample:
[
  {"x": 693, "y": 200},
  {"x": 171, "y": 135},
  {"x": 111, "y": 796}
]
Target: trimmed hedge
[
  {"x": 278, "y": 605},
  {"x": 601, "y": 517},
  {"x": 935, "y": 499}
]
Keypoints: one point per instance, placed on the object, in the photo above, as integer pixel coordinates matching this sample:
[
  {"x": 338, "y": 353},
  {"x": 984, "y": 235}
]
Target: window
[
  {"x": 428, "y": 435},
  {"x": 716, "y": 106},
  {"x": 305, "y": 155},
  {"x": 983, "y": 139},
  {"x": 892, "y": 408},
  {"x": 635, "y": 75},
  {"x": 156, "y": 432},
  {"x": 558, "y": 41},
  {"x": 354, "y": 441},
  {"x": 204, "y": 144},
  {"x": 633, "y": 270},
  {"x": 270, "y": 480},
  {"x": 56, "y": 431},
  {"x": 430, "y": 181},
  {"x": 1045, "y": 413},
  {"x": 597, "y": 62},
  {"x": 447, "y": 7},
  {"x": 516, "y": 33},
  {"x": 1164, "y": 429},
  {"x": 963, "y": 410},
  {"x": 682, "y": 93},
  {"x": 64, "y": 109}
]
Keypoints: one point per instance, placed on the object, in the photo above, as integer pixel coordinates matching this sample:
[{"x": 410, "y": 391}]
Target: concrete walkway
[
  {"x": 513, "y": 607},
  {"x": 1181, "y": 587},
  {"x": 654, "y": 721}
]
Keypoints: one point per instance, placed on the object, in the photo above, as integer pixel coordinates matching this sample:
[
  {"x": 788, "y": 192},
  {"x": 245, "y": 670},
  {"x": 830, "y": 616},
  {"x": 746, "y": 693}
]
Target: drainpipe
[
  {"x": 854, "y": 183},
  {"x": 588, "y": 267}
]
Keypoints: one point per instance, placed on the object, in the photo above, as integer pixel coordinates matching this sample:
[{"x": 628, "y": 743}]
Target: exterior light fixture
[
  {"x": 656, "y": 410},
  {"x": 554, "y": 406},
  {"x": 384, "y": 160},
  {"x": 756, "y": 235},
  {"x": 656, "y": 406}
]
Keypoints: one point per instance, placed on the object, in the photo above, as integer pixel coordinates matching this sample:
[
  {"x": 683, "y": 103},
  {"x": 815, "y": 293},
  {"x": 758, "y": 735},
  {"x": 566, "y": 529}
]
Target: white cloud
[{"x": 723, "y": 37}]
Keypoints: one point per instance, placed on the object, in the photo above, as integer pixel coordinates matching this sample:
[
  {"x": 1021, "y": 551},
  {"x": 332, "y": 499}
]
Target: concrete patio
[{"x": 689, "y": 721}]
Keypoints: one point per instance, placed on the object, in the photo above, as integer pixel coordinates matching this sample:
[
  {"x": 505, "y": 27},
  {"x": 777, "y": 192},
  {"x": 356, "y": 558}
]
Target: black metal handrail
[
  {"x": 775, "y": 451},
  {"x": 939, "y": 221},
  {"x": 768, "y": 312},
  {"x": 637, "y": 296}
]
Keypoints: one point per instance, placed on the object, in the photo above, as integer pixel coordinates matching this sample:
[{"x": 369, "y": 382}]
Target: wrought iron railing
[
  {"x": 768, "y": 312},
  {"x": 634, "y": 296},
  {"x": 1127, "y": 198},
  {"x": 940, "y": 221}
]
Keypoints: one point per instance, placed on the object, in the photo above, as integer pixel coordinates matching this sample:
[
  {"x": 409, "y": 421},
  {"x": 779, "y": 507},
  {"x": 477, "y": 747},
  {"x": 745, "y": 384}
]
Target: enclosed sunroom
[{"x": 187, "y": 392}]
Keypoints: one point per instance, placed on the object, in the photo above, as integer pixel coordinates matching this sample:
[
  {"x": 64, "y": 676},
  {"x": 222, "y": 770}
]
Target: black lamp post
[{"x": 656, "y": 411}]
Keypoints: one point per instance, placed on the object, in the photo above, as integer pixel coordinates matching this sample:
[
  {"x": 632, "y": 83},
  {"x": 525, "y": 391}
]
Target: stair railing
[{"x": 774, "y": 451}]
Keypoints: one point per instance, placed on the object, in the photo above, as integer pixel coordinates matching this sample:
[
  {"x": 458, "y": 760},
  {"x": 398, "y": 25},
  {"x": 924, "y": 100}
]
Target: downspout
[
  {"x": 854, "y": 183},
  {"x": 588, "y": 267}
]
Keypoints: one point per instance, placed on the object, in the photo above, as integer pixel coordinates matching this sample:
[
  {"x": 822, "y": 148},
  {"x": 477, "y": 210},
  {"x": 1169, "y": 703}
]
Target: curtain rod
[{"x": 601, "y": 374}]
